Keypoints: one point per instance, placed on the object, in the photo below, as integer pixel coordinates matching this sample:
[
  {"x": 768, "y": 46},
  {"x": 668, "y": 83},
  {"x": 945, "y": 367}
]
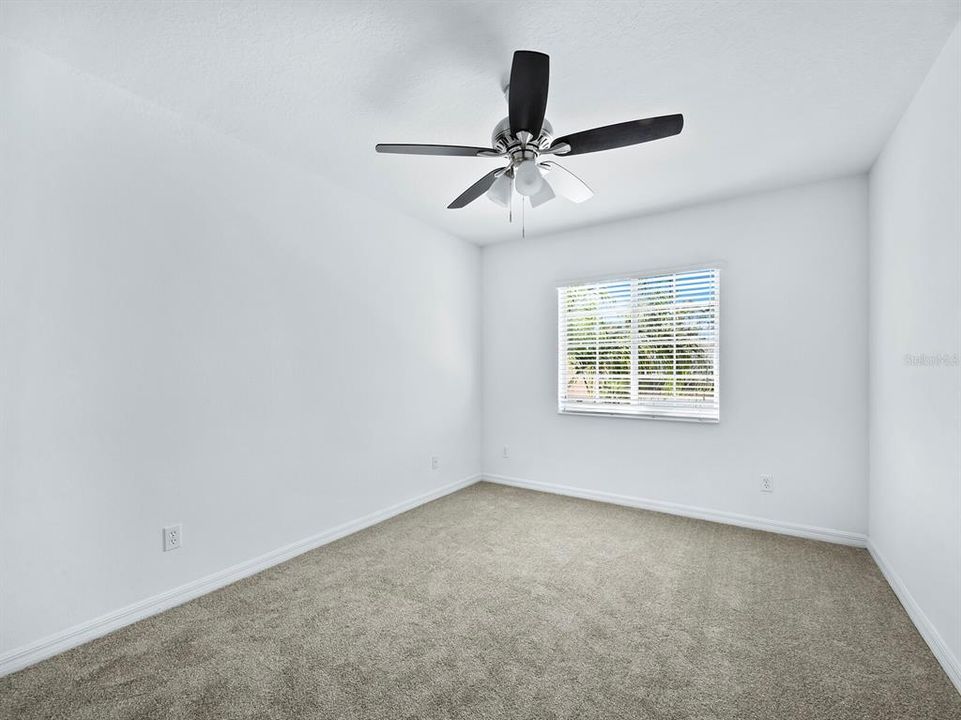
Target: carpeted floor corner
[{"x": 495, "y": 602}]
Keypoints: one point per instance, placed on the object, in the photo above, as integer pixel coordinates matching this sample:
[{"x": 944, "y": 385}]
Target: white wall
[
  {"x": 194, "y": 333},
  {"x": 793, "y": 360},
  {"x": 915, "y": 415}
]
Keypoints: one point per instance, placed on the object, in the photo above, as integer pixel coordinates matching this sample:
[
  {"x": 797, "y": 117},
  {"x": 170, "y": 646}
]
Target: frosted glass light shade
[
  {"x": 527, "y": 178},
  {"x": 500, "y": 191}
]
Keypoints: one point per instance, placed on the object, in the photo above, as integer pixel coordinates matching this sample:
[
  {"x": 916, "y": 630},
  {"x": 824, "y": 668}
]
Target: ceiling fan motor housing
[{"x": 503, "y": 141}]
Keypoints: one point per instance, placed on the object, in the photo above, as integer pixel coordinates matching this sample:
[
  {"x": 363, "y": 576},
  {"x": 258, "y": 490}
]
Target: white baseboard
[
  {"x": 940, "y": 649},
  {"x": 21, "y": 657},
  {"x": 811, "y": 532}
]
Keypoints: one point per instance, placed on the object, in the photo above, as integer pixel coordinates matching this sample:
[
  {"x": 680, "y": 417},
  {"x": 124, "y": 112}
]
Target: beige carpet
[{"x": 503, "y": 603}]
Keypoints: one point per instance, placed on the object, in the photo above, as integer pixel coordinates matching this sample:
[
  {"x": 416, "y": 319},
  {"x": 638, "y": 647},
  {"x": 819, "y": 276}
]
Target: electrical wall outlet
[
  {"x": 435, "y": 463},
  {"x": 767, "y": 483},
  {"x": 173, "y": 537},
  {"x": 507, "y": 451}
]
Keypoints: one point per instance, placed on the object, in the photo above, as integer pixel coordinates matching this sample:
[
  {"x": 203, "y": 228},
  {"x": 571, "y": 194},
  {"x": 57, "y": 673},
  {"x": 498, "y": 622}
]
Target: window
[{"x": 640, "y": 346}]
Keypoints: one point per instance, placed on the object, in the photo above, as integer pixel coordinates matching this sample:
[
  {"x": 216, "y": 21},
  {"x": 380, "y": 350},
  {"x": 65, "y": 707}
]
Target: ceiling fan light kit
[{"x": 525, "y": 136}]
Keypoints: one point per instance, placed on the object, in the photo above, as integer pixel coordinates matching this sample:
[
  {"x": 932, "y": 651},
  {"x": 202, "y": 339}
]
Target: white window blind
[{"x": 640, "y": 346}]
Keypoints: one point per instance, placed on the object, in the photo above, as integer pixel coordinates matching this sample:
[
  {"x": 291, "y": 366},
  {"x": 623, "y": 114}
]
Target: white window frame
[{"x": 636, "y": 412}]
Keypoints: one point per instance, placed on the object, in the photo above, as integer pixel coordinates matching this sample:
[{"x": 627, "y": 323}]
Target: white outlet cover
[
  {"x": 507, "y": 451},
  {"x": 767, "y": 483},
  {"x": 434, "y": 462},
  {"x": 173, "y": 537}
]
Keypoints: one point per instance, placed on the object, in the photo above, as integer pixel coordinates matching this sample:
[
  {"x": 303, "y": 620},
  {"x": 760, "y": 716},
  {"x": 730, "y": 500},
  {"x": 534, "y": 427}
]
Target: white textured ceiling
[{"x": 773, "y": 93}]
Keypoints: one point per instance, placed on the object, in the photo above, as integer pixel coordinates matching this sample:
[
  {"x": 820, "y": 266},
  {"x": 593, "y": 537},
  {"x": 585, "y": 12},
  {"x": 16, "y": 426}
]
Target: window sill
[{"x": 639, "y": 416}]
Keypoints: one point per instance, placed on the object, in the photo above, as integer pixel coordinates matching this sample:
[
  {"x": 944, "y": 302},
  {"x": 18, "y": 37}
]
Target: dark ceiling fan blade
[
  {"x": 449, "y": 150},
  {"x": 476, "y": 190},
  {"x": 623, "y": 134},
  {"x": 527, "y": 102}
]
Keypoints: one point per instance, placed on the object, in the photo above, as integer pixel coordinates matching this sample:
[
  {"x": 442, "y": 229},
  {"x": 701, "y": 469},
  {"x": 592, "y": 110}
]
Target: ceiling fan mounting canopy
[{"x": 525, "y": 135}]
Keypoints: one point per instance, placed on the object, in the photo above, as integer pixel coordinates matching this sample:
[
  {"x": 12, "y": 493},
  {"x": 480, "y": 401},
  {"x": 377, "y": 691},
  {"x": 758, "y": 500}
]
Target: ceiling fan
[{"x": 524, "y": 136}]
